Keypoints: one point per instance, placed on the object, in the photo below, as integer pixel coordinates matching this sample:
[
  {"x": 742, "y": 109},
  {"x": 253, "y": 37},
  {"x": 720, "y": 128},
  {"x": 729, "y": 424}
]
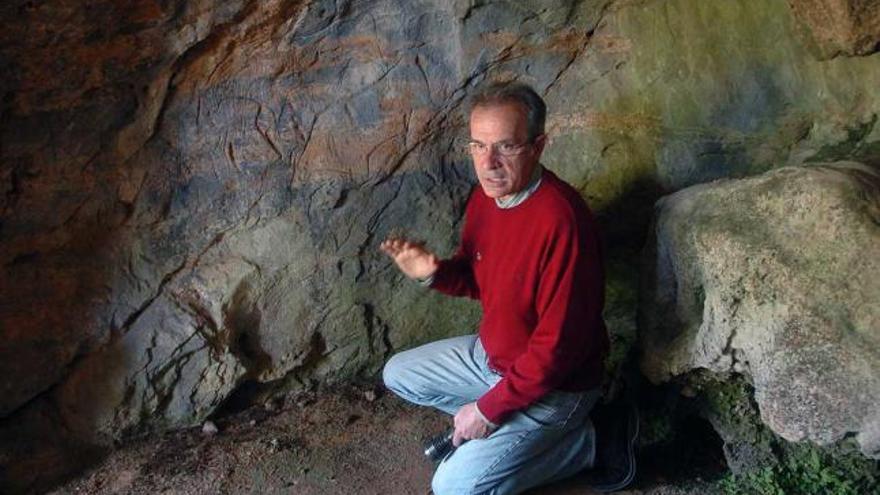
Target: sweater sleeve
[
  {"x": 455, "y": 276},
  {"x": 561, "y": 339}
]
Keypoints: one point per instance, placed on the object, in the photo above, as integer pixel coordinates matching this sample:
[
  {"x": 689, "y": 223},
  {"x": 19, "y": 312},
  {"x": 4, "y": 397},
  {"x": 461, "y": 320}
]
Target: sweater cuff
[
  {"x": 426, "y": 282},
  {"x": 490, "y": 409},
  {"x": 441, "y": 276}
]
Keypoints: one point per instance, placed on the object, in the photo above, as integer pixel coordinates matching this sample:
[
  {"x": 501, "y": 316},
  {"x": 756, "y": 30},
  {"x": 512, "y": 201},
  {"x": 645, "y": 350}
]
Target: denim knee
[
  {"x": 451, "y": 479},
  {"x": 439, "y": 483},
  {"x": 446, "y": 483},
  {"x": 391, "y": 373}
]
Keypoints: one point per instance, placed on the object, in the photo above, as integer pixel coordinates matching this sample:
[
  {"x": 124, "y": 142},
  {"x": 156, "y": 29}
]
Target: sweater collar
[{"x": 523, "y": 195}]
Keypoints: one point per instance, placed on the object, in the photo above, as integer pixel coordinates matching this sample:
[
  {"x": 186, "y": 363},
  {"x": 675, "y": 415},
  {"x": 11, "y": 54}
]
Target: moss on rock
[
  {"x": 763, "y": 463},
  {"x": 806, "y": 469}
]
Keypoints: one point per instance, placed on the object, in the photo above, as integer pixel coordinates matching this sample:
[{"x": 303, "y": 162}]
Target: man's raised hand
[{"x": 411, "y": 257}]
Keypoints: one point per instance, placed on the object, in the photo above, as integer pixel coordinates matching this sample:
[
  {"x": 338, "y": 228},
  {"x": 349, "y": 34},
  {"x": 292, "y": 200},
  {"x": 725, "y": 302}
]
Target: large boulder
[{"x": 775, "y": 278}]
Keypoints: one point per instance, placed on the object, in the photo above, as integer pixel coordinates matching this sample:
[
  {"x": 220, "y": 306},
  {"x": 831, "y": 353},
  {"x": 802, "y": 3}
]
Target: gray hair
[{"x": 500, "y": 93}]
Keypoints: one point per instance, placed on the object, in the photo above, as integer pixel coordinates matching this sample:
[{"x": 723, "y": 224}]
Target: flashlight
[{"x": 438, "y": 447}]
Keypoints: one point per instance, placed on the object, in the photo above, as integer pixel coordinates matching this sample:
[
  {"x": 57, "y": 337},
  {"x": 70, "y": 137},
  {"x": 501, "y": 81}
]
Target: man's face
[{"x": 498, "y": 129}]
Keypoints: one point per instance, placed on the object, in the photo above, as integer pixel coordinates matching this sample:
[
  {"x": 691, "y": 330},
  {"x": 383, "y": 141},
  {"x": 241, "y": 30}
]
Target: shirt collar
[{"x": 523, "y": 195}]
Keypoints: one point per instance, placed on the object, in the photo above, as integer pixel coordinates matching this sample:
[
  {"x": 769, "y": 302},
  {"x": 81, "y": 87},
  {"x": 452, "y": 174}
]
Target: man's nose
[{"x": 491, "y": 159}]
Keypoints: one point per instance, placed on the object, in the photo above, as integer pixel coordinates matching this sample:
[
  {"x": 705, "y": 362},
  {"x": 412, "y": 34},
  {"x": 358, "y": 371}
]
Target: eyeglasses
[{"x": 477, "y": 148}]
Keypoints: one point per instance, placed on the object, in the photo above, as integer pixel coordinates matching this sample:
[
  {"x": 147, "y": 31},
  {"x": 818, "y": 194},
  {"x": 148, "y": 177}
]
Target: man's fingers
[
  {"x": 457, "y": 439},
  {"x": 414, "y": 244},
  {"x": 411, "y": 257},
  {"x": 396, "y": 247},
  {"x": 391, "y": 247}
]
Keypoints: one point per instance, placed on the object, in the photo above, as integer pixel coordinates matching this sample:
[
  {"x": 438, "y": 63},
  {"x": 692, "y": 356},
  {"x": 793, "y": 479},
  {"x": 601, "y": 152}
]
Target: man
[{"x": 521, "y": 391}]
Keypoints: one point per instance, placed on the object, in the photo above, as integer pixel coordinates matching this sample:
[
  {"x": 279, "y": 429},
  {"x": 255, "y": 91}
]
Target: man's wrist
[
  {"x": 428, "y": 280},
  {"x": 484, "y": 418}
]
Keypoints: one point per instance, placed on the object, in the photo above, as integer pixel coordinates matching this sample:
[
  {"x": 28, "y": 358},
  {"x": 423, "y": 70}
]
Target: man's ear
[{"x": 539, "y": 143}]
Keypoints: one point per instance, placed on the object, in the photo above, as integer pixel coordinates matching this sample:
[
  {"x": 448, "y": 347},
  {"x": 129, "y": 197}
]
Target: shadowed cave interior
[{"x": 192, "y": 196}]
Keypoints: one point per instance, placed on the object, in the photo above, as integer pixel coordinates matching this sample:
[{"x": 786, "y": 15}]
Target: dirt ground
[{"x": 355, "y": 439}]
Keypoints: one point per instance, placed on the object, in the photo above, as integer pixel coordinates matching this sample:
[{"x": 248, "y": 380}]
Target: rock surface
[
  {"x": 192, "y": 192},
  {"x": 776, "y": 278},
  {"x": 841, "y": 27}
]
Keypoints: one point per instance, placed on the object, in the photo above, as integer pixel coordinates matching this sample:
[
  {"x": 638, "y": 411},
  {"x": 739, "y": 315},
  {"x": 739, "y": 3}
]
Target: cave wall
[{"x": 192, "y": 193}]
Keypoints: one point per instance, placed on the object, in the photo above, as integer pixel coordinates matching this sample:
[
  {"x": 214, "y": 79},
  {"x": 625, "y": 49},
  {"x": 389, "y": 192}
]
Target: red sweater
[{"x": 536, "y": 269}]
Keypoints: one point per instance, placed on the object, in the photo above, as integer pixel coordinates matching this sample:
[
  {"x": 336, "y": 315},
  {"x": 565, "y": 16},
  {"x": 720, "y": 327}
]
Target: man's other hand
[
  {"x": 411, "y": 257},
  {"x": 469, "y": 425}
]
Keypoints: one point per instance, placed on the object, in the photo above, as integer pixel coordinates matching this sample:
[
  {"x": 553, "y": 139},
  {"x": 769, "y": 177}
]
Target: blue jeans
[{"x": 551, "y": 440}]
